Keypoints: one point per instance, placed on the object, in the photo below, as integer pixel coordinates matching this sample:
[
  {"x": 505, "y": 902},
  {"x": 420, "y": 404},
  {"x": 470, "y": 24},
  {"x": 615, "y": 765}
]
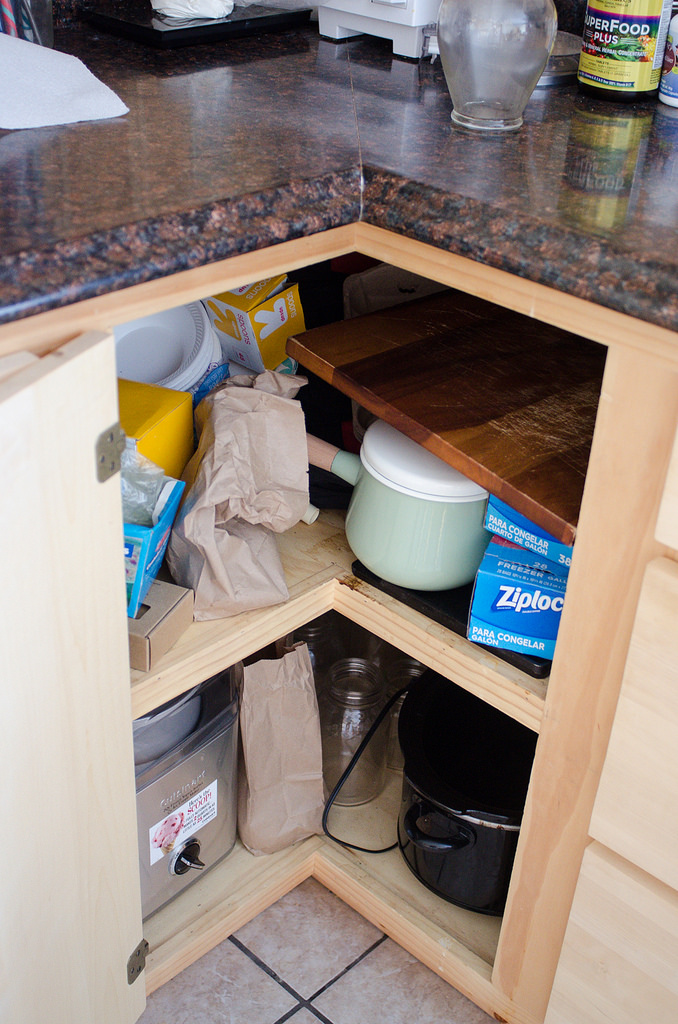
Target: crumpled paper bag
[
  {"x": 247, "y": 481},
  {"x": 280, "y": 785},
  {"x": 193, "y": 8}
]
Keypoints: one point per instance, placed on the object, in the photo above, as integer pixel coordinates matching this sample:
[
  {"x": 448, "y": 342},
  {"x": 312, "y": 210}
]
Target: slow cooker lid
[
  {"x": 462, "y": 754},
  {"x": 401, "y": 463}
]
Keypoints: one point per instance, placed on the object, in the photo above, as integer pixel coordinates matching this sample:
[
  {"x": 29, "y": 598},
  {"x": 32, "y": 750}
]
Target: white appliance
[{"x": 409, "y": 24}]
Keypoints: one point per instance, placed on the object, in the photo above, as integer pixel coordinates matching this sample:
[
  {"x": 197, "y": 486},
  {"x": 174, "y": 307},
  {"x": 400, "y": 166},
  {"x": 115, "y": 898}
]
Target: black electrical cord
[{"x": 349, "y": 768}]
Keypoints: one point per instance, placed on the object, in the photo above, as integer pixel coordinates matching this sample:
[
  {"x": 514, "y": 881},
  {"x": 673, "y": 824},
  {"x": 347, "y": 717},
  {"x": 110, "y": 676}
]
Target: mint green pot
[{"x": 412, "y": 519}]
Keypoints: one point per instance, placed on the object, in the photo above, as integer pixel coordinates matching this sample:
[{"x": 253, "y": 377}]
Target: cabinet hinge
[
  {"x": 109, "y": 448},
  {"x": 137, "y": 962}
]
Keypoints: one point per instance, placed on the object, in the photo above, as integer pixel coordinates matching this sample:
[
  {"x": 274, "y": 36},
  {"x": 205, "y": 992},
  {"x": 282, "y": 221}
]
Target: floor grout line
[
  {"x": 353, "y": 963},
  {"x": 302, "y": 1002},
  {"x": 264, "y": 966},
  {"x": 311, "y": 1009}
]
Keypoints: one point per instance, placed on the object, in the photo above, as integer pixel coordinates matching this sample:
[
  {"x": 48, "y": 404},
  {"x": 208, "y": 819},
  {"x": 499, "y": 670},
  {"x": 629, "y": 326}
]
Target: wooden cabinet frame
[{"x": 631, "y": 449}]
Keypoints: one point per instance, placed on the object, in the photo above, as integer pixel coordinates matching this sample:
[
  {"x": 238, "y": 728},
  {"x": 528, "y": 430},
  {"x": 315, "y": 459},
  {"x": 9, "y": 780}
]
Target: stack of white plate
[{"x": 173, "y": 349}]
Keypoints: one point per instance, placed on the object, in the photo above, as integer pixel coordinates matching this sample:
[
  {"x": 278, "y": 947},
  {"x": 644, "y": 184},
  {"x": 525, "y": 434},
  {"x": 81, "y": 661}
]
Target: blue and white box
[
  {"x": 504, "y": 521},
  {"x": 516, "y": 603},
  {"x": 145, "y": 548}
]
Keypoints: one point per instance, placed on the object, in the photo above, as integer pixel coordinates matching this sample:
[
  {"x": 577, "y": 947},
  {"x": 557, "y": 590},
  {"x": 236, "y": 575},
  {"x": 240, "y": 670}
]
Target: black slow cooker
[{"x": 467, "y": 769}]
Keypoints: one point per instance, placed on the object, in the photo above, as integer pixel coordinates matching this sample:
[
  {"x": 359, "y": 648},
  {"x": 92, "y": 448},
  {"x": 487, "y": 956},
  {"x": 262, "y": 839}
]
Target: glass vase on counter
[{"x": 493, "y": 52}]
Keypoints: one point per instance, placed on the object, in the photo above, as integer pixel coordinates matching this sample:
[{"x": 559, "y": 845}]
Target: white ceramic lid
[{"x": 402, "y": 464}]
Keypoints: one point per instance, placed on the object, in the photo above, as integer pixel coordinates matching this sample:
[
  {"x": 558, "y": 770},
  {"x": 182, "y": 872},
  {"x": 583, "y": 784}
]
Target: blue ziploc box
[
  {"x": 516, "y": 605},
  {"x": 504, "y": 521},
  {"x": 145, "y": 548}
]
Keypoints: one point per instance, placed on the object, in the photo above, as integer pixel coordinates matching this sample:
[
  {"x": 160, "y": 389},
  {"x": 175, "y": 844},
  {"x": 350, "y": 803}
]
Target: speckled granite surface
[{"x": 234, "y": 147}]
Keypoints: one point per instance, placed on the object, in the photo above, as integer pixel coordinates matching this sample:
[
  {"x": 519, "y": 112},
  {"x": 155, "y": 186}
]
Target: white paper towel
[{"x": 40, "y": 86}]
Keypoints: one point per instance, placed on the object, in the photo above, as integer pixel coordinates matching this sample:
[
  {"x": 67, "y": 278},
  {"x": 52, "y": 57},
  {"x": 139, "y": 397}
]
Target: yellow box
[
  {"x": 253, "y": 323},
  {"x": 161, "y": 422},
  {"x": 250, "y": 295}
]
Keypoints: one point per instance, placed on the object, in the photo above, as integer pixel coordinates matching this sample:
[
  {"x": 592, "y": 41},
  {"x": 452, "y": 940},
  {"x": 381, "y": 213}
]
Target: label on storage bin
[{"x": 183, "y": 822}]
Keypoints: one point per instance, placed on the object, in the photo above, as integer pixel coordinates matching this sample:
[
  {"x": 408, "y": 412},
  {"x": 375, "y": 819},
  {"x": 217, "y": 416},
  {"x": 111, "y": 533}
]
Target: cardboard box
[
  {"x": 516, "y": 553},
  {"x": 253, "y": 323},
  {"x": 504, "y": 521},
  {"x": 248, "y": 296},
  {"x": 160, "y": 420},
  {"x": 516, "y": 603},
  {"x": 145, "y": 547},
  {"x": 166, "y": 612}
]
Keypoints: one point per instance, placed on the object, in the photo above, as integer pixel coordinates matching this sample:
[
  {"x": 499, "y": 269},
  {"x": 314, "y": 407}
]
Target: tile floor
[{"x": 309, "y": 958}]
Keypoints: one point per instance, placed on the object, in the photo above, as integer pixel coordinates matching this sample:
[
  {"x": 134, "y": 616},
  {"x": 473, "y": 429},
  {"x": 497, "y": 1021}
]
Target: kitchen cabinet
[
  {"x": 621, "y": 942},
  {"x": 505, "y": 965},
  {"x": 66, "y": 750},
  {"x": 618, "y": 961}
]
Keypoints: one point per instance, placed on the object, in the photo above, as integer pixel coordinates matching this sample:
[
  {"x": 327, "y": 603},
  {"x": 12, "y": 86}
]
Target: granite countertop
[{"x": 234, "y": 147}]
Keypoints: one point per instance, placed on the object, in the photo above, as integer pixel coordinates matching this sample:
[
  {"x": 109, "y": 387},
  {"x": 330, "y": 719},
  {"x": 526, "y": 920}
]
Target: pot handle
[
  {"x": 320, "y": 453},
  {"x": 327, "y": 456},
  {"x": 465, "y": 836}
]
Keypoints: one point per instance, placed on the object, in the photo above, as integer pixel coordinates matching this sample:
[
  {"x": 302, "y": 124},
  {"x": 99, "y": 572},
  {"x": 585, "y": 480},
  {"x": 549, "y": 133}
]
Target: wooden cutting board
[{"x": 507, "y": 400}]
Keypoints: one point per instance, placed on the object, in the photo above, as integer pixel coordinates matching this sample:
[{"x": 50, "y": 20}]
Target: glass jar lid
[{"x": 355, "y": 682}]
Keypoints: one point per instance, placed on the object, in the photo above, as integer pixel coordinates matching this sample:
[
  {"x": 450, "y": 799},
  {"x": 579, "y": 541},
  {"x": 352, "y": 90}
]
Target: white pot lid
[{"x": 401, "y": 463}]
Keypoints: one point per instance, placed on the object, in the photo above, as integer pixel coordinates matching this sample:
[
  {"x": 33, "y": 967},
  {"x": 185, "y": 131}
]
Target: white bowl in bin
[{"x": 159, "y": 731}]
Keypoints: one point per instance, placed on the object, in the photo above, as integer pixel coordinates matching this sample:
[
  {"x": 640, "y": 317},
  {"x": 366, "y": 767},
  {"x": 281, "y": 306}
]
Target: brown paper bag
[
  {"x": 247, "y": 480},
  {"x": 280, "y": 787}
]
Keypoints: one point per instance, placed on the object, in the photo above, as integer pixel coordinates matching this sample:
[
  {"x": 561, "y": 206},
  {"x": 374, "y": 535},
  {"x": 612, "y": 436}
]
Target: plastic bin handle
[{"x": 465, "y": 836}]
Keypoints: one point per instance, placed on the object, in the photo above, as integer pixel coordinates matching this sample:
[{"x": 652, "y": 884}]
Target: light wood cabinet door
[
  {"x": 69, "y": 900},
  {"x": 618, "y": 962},
  {"x": 636, "y": 807},
  {"x": 667, "y": 520}
]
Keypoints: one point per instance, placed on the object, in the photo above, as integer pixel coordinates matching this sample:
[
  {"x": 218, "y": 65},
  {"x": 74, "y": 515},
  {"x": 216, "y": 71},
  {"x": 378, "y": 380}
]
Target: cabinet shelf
[
  {"x": 317, "y": 563},
  {"x": 458, "y": 944},
  {"x": 507, "y": 400}
]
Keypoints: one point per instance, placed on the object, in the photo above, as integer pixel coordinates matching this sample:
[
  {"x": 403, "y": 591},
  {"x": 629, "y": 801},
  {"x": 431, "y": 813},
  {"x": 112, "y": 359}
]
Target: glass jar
[
  {"x": 348, "y": 708},
  {"x": 493, "y": 52}
]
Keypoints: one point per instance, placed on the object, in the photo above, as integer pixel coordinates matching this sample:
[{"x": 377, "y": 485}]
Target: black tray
[
  {"x": 136, "y": 19},
  {"x": 450, "y": 608}
]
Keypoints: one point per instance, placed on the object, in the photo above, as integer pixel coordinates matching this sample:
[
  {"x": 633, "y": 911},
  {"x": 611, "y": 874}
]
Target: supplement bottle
[
  {"x": 623, "y": 48},
  {"x": 668, "y": 86}
]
